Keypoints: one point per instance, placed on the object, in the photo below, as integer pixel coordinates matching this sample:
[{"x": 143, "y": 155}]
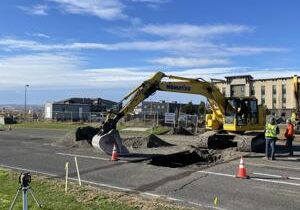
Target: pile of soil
[
  {"x": 150, "y": 141},
  {"x": 230, "y": 154},
  {"x": 195, "y": 157},
  {"x": 69, "y": 140},
  {"x": 180, "y": 131}
]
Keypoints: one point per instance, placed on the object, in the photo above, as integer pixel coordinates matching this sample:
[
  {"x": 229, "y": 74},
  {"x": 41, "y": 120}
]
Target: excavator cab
[{"x": 241, "y": 114}]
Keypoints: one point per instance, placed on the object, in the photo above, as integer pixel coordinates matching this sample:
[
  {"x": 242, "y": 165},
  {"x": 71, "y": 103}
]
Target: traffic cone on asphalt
[
  {"x": 241, "y": 173},
  {"x": 114, "y": 154}
]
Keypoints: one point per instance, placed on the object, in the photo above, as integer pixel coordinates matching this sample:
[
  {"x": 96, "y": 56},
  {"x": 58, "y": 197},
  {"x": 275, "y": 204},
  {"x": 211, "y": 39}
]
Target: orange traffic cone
[
  {"x": 242, "y": 170},
  {"x": 114, "y": 154}
]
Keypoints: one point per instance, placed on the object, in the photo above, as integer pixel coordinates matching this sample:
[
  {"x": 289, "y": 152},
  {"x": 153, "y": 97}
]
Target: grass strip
[{"x": 51, "y": 193}]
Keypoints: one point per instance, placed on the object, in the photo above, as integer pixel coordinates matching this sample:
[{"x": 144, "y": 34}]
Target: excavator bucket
[{"x": 107, "y": 141}]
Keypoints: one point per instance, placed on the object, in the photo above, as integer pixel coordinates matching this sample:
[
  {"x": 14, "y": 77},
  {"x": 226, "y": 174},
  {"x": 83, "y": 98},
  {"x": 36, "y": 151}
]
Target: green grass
[
  {"x": 48, "y": 125},
  {"x": 159, "y": 130},
  {"x": 72, "y": 126},
  {"x": 52, "y": 196}
]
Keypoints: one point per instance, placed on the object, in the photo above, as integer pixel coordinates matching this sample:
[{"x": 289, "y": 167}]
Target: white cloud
[
  {"x": 35, "y": 10},
  {"x": 66, "y": 71},
  {"x": 168, "y": 46},
  {"x": 37, "y": 46},
  {"x": 39, "y": 70},
  {"x": 131, "y": 77},
  {"x": 41, "y": 35},
  {"x": 176, "y": 45},
  {"x": 193, "y": 31},
  {"x": 153, "y": 4},
  {"x": 190, "y": 62},
  {"x": 105, "y": 9},
  {"x": 152, "y": 1},
  {"x": 253, "y": 50}
]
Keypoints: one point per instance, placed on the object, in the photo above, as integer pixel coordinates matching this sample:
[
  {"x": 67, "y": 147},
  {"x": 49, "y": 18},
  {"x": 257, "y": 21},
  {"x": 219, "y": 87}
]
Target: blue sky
[{"x": 104, "y": 48}]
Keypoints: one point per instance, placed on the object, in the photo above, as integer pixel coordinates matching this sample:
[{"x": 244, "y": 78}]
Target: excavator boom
[{"x": 178, "y": 85}]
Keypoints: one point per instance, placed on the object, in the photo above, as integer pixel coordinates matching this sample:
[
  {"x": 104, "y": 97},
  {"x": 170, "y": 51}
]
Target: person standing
[
  {"x": 289, "y": 135},
  {"x": 271, "y": 132}
]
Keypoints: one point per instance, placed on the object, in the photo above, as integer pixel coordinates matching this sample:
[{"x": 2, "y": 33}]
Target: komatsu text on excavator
[{"x": 239, "y": 116}]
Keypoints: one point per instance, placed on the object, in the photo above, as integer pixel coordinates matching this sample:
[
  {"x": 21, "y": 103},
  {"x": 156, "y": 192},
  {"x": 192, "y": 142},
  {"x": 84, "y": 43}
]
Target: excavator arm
[{"x": 135, "y": 97}]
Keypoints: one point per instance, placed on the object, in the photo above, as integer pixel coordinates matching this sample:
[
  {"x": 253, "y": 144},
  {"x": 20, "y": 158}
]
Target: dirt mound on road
[
  {"x": 150, "y": 141},
  {"x": 69, "y": 140}
]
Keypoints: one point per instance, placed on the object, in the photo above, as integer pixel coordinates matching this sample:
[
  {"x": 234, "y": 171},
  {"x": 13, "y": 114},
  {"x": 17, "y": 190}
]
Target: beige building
[{"x": 278, "y": 94}]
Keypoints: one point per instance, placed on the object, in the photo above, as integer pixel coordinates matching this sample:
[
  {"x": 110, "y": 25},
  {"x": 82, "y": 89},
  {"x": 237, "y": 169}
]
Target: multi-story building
[
  {"x": 152, "y": 107},
  {"x": 276, "y": 93}
]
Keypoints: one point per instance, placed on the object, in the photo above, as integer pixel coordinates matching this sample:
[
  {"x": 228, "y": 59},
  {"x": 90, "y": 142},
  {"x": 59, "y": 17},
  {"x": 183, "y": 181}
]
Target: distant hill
[{"x": 20, "y": 107}]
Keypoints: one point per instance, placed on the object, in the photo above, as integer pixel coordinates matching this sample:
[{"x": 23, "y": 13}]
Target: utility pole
[{"x": 25, "y": 108}]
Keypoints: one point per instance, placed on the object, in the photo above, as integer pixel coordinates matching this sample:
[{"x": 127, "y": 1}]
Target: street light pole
[{"x": 25, "y": 108}]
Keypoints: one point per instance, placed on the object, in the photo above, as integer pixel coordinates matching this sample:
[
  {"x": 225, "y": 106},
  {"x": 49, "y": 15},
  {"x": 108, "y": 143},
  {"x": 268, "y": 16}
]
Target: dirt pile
[
  {"x": 230, "y": 154},
  {"x": 150, "y": 141},
  {"x": 69, "y": 140},
  {"x": 181, "y": 131}
]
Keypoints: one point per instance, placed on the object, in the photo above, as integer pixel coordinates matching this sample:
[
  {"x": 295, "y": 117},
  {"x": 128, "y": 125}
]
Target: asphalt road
[{"x": 272, "y": 184}]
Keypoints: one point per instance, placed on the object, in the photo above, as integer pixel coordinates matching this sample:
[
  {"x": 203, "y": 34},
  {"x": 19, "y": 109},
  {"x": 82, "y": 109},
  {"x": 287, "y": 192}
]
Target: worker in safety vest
[
  {"x": 293, "y": 118},
  {"x": 271, "y": 132},
  {"x": 289, "y": 135}
]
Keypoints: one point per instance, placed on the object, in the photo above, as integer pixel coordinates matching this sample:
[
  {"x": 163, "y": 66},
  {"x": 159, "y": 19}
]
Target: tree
[
  {"x": 202, "y": 108},
  {"x": 189, "y": 109}
]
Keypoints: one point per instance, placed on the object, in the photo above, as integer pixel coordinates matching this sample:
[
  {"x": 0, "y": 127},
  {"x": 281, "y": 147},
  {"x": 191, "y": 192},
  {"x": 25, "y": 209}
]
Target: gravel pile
[{"x": 150, "y": 141}]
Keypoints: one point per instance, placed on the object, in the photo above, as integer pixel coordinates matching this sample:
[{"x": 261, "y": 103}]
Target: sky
[{"x": 105, "y": 48}]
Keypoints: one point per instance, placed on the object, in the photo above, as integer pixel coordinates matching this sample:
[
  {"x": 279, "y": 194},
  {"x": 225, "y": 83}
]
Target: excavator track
[
  {"x": 216, "y": 140},
  {"x": 249, "y": 142}
]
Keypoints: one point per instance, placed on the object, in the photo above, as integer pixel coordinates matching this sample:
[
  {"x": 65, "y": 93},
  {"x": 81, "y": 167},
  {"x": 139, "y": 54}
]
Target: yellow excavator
[
  {"x": 235, "y": 116},
  {"x": 296, "y": 115}
]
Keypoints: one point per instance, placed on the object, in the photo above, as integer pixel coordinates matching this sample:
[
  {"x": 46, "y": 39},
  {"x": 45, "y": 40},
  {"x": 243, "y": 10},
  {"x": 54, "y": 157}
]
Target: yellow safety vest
[
  {"x": 271, "y": 131},
  {"x": 293, "y": 117}
]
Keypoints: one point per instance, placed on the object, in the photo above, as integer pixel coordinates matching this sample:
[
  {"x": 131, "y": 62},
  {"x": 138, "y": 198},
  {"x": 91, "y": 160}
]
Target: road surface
[{"x": 273, "y": 184}]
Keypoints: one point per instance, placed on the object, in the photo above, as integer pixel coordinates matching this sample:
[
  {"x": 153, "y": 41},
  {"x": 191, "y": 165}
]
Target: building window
[
  {"x": 283, "y": 105},
  {"x": 274, "y": 103},
  {"x": 252, "y": 91},
  {"x": 237, "y": 90},
  {"x": 284, "y": 96},
  {"x": 283, "y": 100},
  {"x": 224, "y": 91},
  {"x": 274, "y": 96},
  {"x": 283, "y": 89},
  {"x": 263, "y": 100},
  {"x": 274, "y": 90},
  {"x": 263, "y": 91},
  {"x": 242, "y": 91}
]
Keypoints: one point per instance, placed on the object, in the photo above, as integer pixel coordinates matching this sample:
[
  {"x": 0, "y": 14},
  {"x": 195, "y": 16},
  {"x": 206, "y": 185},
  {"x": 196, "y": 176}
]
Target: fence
[
  {"x": 75, "y": 116},
  {"x": 152, "y": 119}
]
